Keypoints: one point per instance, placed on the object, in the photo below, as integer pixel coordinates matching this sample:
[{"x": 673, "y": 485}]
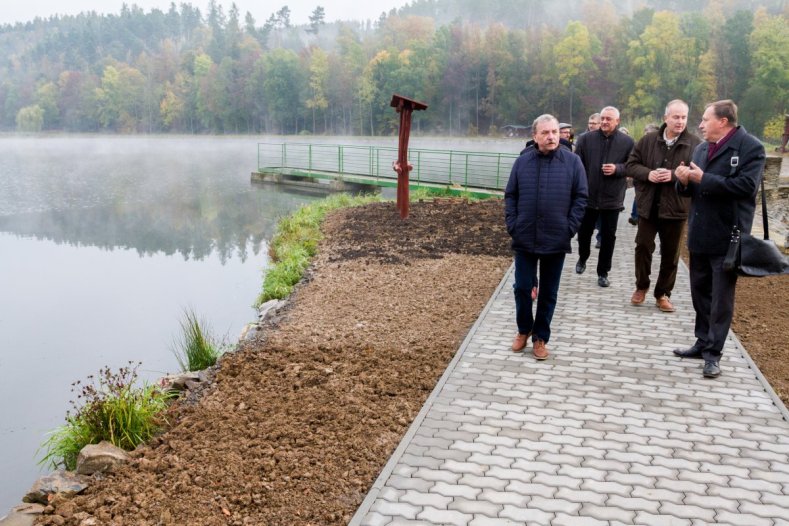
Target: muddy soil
[{"x": 298, "y": 424}]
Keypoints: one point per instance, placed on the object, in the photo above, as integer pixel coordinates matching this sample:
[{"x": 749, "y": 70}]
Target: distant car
[{"x": 516, "y": 130}]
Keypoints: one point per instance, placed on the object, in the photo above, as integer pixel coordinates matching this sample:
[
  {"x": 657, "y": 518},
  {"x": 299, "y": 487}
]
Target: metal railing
[{"x": 481, "y": 170}]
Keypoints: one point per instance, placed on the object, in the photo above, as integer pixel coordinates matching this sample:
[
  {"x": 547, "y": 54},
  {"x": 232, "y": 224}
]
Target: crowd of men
[{"x": 558, "y": 189}]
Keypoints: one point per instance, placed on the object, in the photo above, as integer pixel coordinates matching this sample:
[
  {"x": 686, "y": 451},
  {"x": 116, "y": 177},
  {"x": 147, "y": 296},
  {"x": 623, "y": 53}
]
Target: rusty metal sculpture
[{"x": 404, "y": 107}]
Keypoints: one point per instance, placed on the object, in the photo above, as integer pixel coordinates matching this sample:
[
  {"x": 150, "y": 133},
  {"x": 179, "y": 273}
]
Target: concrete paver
[{"x": 611, "y": 429}]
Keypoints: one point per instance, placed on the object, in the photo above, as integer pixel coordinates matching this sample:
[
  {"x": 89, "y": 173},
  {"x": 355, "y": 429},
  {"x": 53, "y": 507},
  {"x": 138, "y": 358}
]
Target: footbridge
[{"x": 337, "y": 165}]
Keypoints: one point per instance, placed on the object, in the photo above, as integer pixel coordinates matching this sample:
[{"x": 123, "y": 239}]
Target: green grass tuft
[
  {"x": 114, "y": 410},
  {"x": 196, "y": 349}
]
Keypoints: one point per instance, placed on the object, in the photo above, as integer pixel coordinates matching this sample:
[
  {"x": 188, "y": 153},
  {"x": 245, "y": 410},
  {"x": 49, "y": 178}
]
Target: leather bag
[{"x": 751, "y": 256}]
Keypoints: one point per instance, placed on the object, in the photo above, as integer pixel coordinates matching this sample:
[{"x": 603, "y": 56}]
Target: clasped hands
[
  {"x": 660, "y": 175},
  {"x": 686, "y": 174}
]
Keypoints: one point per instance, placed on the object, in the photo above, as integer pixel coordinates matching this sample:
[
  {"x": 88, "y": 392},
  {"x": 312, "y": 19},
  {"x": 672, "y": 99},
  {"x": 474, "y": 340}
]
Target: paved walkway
[{"x": 612, "y": 429}]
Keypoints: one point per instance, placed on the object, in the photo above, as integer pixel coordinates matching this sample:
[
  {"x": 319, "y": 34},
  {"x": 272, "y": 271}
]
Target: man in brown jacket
[{"x": 661, "y": 211}]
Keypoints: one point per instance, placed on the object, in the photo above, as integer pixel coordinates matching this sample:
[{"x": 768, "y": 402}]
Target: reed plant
[
  {"x": 108, "y": 407},
  {"x": 196, "y": 348},
  {"x": 296, "y": 242}
]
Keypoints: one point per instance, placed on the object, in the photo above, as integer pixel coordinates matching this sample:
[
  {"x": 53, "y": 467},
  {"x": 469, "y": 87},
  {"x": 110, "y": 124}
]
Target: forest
[{"x": 478, "y": 65}]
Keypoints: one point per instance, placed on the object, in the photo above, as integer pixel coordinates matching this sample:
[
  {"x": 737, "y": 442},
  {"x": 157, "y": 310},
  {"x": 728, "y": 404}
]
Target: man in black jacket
[
  {"x": 604, "y": 153},
  {"x": 661, "y": 211},
  {"x": 721, "y": 181}
]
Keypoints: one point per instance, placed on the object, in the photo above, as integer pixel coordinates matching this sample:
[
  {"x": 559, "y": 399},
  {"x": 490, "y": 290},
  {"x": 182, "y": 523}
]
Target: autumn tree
[
  {"x": 769, "y": 92},
  {"x": 574, "y": 65},
  {"x": 319, "y": 72}
]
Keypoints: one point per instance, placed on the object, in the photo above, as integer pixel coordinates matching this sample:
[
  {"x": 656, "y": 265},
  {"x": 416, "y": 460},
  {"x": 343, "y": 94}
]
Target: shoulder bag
[{"x": 751, "y": 256}]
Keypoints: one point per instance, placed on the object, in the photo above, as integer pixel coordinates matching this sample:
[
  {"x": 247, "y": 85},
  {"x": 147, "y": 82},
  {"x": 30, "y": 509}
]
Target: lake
[{"x": 105, "y": 240}]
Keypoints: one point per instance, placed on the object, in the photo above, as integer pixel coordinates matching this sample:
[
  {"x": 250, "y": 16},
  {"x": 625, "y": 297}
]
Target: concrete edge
[
  {"x": 379, "y": 483},
  {"x": 777, "y": 402}
]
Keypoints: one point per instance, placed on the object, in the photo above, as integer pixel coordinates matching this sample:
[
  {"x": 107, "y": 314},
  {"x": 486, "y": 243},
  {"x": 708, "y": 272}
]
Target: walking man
[
  {"x": 721, "y": 181},
  {"x": 544, "y": 202},
  {"x": 604, "y": 153},
  {"x": 661, "y": 210}
]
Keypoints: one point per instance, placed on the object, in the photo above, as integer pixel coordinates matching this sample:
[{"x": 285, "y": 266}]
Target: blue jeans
[
  {"x": 550, "y": 266},
  {"x": 634, "y": 211}
]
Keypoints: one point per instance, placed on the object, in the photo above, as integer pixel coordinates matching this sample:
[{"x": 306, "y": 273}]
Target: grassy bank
[{"x": 296, "y": 242}]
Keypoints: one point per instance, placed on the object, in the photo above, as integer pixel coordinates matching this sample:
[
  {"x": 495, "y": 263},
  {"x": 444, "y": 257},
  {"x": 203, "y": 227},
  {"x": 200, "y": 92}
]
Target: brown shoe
[
  {"x": 638, "y": 297},
  {"x": 520, "y": 342},
  {"x": 664, "y": 304},
  {"x": 540, "y": 352}
]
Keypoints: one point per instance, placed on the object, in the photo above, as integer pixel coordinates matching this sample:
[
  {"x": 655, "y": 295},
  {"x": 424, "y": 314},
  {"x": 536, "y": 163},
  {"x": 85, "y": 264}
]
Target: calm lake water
[{"x": 104, "y": 241}]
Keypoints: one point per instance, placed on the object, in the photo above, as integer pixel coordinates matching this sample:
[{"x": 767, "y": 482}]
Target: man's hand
[
  {"x": 659, "y": 175},
  {"x": 609, "y": 169},
  {"x": 687, "y": 174}
]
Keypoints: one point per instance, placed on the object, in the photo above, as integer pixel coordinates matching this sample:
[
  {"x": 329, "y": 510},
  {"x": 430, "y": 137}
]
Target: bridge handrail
[{"x": 469, "y": 169}]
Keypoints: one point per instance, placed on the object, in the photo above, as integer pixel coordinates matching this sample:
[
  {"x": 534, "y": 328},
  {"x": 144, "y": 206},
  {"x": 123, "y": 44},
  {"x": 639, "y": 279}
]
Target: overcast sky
[{"x": 24, "y": 10}]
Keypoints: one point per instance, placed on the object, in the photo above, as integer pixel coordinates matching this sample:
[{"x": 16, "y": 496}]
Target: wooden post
[{"x": 404, "y": 106}]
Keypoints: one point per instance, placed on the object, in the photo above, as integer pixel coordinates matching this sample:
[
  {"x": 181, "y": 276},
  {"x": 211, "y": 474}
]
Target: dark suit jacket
[
  {"x": 727, "y": 193},
  {"x": 595, "y": 149}
]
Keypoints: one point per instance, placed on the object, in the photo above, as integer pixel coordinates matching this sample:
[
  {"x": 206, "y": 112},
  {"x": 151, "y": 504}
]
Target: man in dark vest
[{"x": 721, "y": 181}]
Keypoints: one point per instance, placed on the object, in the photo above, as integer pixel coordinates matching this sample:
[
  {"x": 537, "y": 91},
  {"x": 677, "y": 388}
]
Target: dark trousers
[
  {"x": 526, "y": 265},
  {"x": 670, "y": 233},
  {"x": 608, "y": 219},
  {"x": 712, "y": 291}
]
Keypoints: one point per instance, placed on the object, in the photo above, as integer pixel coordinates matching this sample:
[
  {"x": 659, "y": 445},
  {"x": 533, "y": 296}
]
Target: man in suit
[
  {"x": 722, "y": 181},
  {"x": 604, "y": 153}
]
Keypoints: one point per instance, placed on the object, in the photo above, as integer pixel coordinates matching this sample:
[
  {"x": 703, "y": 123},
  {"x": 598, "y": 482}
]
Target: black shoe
[
  {"x": 711, "y": 369},
  {"x": 633, "y": 221},
  {"x": 597, "y": 244},
  {"x": 603, "y": 281},
  {"x": 693, "y": 352},
  {"x": 580, "y": 267}
]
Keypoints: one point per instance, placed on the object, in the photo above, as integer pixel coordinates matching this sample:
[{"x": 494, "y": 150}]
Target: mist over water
[{"x": 104, "y": 241}]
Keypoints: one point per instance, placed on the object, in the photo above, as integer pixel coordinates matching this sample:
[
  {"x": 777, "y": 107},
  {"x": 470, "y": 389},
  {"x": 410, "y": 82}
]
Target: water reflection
[
  {"x": 193, "y": 227},
  {"x": 103, "y": 243}
]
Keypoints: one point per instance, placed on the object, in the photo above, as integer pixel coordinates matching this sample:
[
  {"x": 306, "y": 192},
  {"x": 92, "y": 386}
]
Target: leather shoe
[
  {"x": 638, "y": 297},
  {"x": 603, "y": 281},
  {"x": 711, "y": 369},
  {"x": 664, "y": 304},
  {"x": 693, "y": 352},
  {"x": 580, "y": 267},
  {"x": 520, "y": 342},
  {"x": 633, "y": 221},
  {"x": 540, "y": 352}
]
